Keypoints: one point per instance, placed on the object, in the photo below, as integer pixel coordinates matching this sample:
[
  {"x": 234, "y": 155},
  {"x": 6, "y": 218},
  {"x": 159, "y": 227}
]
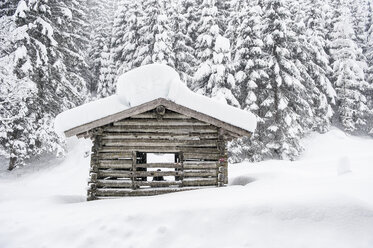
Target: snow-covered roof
[{"x": 155, "y": 83}]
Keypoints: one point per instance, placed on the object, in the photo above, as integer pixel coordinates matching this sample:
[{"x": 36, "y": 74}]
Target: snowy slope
[{"x": 323, "y": 200}]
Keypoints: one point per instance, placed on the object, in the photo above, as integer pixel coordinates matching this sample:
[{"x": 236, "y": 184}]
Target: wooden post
[
  {"x": 92, "y": 184},
  {"x": 223, "y": 162},
  {"x": 133, "y": 175},
  {"x": 181, "y": 160}
]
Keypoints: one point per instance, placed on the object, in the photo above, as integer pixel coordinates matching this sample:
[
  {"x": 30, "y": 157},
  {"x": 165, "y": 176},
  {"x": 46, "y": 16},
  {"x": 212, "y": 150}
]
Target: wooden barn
[{"x": 130, "y": 147}]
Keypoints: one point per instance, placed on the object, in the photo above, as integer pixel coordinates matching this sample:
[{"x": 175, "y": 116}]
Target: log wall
[{"x": 117, "y": 160}]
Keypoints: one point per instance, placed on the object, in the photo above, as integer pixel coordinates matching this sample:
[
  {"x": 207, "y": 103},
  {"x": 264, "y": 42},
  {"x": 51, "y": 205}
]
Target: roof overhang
[{"x": 234, "y": 130}]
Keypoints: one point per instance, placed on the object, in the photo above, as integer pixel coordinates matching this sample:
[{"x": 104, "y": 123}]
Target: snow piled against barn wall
[{"x": 147, "y": 83}]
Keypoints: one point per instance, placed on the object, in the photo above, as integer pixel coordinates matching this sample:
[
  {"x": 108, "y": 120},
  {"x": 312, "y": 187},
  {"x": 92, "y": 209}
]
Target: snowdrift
[{"x": 306, "y": 203}]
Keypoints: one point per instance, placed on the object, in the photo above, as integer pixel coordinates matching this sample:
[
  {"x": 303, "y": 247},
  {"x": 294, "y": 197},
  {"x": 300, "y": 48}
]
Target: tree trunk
[{"x": 12, "y": 163}]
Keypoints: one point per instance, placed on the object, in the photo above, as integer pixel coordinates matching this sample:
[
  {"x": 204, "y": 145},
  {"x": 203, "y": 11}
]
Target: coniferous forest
[{"x": 299, "y": 65}]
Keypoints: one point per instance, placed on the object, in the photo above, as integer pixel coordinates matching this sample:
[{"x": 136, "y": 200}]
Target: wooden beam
[
  {"x": 200, "y": 173},
  {"x": 199, "y": 156},
  {"x": 115, "y": 155},
  {"x": 155, "y": 149},
  {"x": 115, "y": 164},
  {"x": 129, "y": 174},
  {"x": 139, "y": 192},
  {"x": 200, "y": 181},
  {"x": 200, "y": 165},
  {"x": 167, "y": 115},
  {"x": 160, "y": 143},
  {"x": 169, "y": 136},
  {"x": 160, "y": 165},
  {"x": 162, "y": 129},
  {"x": 155, "y": 122}
]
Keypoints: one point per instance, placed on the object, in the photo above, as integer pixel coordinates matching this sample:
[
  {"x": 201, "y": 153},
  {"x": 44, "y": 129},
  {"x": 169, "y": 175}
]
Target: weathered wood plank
[
  {"x": 167, "y": 115},
  {"x": 200, "y": 182},
  {"x": 115, "y": 164},
  {"x": 159, "y": 143},
  {"x": 115, "y": 155},
  {"x": 168, "y": 136},
  {"x": 164, "y": 122},
  {"x": 114, "y": 183},
  {"x": 194, "y": 155},
  {"x": 200, "y": 173},
  {"x": 128, "y": 183},
  {"x": 129, "y": 174},
  {"x": 139, "y": 192},
  {"x": 161, "y": 129},
  {"x": 115, "y": 174},
  {"x": 160, "y": 165},
  {"x": 158, "y": 183},
  {"x": 200, "y": 165},
  {"x": 163, "y": 149}
]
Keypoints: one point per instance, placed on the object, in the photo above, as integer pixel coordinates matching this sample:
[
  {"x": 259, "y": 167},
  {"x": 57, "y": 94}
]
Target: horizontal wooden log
[
  {"x": 158, "y": 183},
  {"x": 158, "y": 143},
  {"x": 162, "y": 129},
  {"x": 115, "y": 155},
  {"x": 160, "y": 165},
  {"x": 201, "y": 156},
  {"x": 200, "y": 165},
  {"x": 139, "y": 192},
  {"x": 200, "y": 173},
  {"x": 155, "y": 149},
  {"x": 157, "y": 173},
  {"x": 129, "y": 174},
  {"x": 114, "y": 174},
  {"x": 167, "y": 136},
  {"x": 165, "y": 122},
  {"x": 128, "y": 183},
  {"x": 115, "y": 164},
  {"x": 114, "y": 183},
  {"x": 200, "y": 182},
  {"x": 167, "y": 115}
]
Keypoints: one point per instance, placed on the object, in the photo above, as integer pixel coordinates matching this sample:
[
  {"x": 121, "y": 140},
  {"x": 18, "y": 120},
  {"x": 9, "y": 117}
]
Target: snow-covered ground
[{"x": 323, "y": 200}]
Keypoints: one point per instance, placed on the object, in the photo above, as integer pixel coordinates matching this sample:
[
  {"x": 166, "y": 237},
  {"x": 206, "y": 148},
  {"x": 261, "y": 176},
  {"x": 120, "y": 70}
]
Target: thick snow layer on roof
[
  {"x": 148, "y": 83},
  {"x": 88, "y": 112}
]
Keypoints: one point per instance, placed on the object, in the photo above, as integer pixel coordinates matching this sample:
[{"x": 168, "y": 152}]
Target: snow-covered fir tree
[
  {"x": 349, "y": 77},
  {"x": 213, "y": 77},
  {"x": 368, "y": 52},
  {"x": 100, "y": 28},
  {"x": 284, "y": 110},
  {"x": 17, "y": 120},
  {"x": 155, "y": 35},
  {"x": 44, "y": 57},
  {"x": 312, "y": 61},
  {"x": 126, "y": 35},
  {"x": 250, "y": 71},
  {"x": 185, "y": 60},
  {"x": 8, "y": 7}
]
